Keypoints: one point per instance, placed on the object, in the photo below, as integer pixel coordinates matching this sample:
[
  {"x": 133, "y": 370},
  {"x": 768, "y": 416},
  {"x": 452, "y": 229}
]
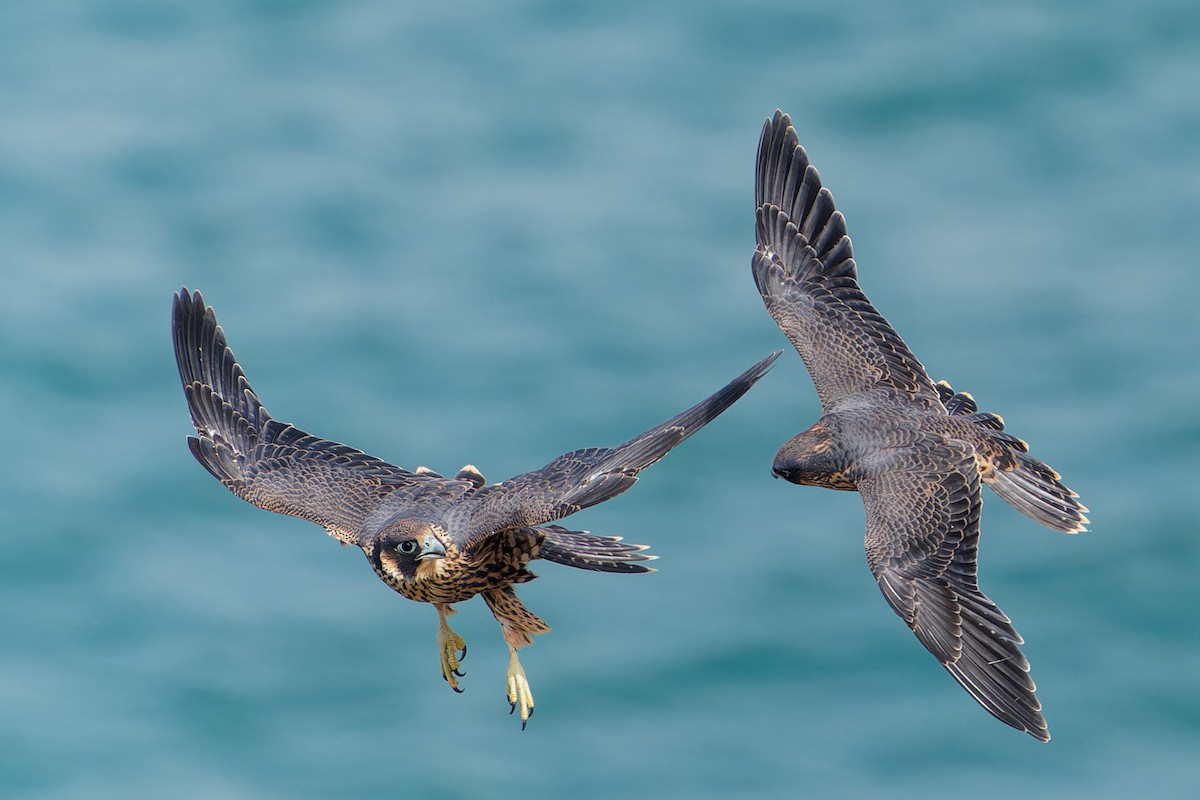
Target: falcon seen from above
[
  {"x": 433, "y": 539},
  {"x": 916, "y": 451}
]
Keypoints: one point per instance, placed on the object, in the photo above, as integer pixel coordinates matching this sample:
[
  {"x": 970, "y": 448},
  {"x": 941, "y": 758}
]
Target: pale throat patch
[{"x": 433, "y": 568}]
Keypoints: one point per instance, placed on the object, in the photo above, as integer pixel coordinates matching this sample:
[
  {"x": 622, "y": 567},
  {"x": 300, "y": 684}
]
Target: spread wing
[
  {"x": 922, "y": 536},
  {"x": 804, "y": 268},
  {"x": 584, "y": 478},
  {"x": 272, "y": 464}
]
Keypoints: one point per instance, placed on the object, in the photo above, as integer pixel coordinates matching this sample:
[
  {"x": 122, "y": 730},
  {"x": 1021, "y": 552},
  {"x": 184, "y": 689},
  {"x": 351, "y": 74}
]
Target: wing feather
[
  {"x": 584, "y": 478},
  {"x": 922, "y": 541},
  {"x": 273, "y": 465},
  {"x": 804, "y": 268}
]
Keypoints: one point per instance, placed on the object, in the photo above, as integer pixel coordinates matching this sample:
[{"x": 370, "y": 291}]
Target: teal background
[{"x": 494, "y": 232}]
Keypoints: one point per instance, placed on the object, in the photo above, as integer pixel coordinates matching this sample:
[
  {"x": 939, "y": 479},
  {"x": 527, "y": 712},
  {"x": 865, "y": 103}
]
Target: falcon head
[
  {"x": 409, "y": 550},
  {"x": 813, "y": 458}
]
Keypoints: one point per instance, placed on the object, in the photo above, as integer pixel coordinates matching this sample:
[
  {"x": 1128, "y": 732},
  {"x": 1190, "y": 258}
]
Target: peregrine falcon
[
  {"x": 916, "y": 451},
  {"x": 433, "y": 539}
]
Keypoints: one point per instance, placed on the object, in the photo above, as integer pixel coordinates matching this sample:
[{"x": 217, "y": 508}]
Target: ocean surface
[{"x": 494, "y": 232}]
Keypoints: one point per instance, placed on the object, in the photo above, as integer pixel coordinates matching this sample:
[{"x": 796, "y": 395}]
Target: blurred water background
[{"x": 494, "y": 232}]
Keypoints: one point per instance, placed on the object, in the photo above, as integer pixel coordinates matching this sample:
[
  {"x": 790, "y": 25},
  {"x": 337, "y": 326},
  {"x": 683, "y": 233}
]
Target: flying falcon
[
  {"x": 916, "y": 451},
  {"x": 432, "y": 539}
]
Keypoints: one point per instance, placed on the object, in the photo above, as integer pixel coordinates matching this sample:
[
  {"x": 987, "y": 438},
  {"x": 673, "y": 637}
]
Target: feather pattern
[{"x": 916, "y": 451}]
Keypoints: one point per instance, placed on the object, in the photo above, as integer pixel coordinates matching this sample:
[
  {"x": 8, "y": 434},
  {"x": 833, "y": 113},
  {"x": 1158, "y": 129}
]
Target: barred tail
[
  {"x": 1034, "y": 489},
  {"x": 1028, "y": 485},
  {"x": 584, "y": 550}
]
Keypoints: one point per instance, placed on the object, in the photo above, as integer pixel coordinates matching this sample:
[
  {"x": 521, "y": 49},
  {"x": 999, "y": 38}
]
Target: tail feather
[
  {"x": 1034, "y": 489},
  {"x": 1027, "y": 484},
  {"x": 584, "y": 550}
]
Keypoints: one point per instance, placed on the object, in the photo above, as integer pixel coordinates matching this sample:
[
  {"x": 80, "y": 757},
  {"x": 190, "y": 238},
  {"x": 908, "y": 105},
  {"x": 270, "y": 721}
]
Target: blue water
[{"x": 490, "y": 233}]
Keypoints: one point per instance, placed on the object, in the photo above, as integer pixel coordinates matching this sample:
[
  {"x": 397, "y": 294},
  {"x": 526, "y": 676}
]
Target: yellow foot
[
  {"x": 519, "y": 693},
  {"x": 452, "y": 649}
]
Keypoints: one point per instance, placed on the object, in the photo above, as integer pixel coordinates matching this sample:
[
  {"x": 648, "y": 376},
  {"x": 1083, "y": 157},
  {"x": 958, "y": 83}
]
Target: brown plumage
[
  {"x": 432, "y": 539},
  {"x": 915, "y": 451}
]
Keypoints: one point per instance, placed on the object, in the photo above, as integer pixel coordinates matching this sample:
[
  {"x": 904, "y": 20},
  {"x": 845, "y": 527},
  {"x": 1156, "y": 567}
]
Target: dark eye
[{"x": 408, "y": 546}]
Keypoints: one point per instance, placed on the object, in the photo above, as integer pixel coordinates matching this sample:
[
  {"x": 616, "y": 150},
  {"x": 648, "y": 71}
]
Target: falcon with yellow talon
[{"x": 433, "y": 539}]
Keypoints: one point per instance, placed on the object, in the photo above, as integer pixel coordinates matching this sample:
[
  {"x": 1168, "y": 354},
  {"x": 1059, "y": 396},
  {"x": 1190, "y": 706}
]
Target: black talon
[
  {"x": 456, "y": 689},
  {"x": 459, "y": 673},
  {"x": 463, "y": 654},
  {"x": 511, "y": 708}
]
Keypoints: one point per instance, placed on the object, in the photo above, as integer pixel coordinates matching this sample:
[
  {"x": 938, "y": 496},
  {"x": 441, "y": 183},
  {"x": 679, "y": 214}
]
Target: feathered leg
[{"x": 518, "y": 625}]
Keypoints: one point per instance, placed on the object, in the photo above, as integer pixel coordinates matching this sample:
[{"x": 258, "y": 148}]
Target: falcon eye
[{"x": 408, "y": 547}]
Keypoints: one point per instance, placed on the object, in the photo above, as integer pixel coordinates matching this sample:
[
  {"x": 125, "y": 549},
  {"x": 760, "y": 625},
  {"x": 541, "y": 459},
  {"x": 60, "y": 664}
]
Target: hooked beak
[{"x": 431, "y": 548}]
